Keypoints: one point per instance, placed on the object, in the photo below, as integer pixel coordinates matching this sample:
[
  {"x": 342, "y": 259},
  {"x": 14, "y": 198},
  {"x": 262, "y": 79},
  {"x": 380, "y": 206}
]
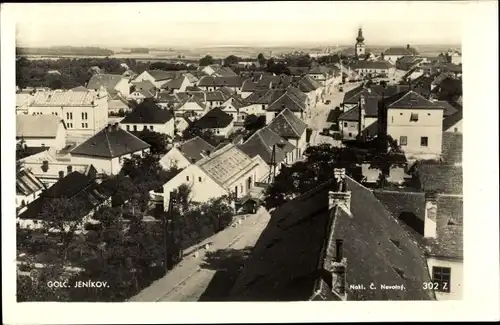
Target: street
[{"x": 194, "y": 275}]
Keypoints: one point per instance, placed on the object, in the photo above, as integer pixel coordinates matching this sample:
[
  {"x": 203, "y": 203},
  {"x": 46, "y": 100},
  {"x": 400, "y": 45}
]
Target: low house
[
  {"x": 272, "y": 148},
  {"x": 118, "y": 104},
  {"x": 41, "y": 131},
  {"x": 211, "y": 83},
  {"x": 360, "y": 120},
  {"x": 140, "y": 96},
  {"x": 49, "y": 165},
  {"x": 313, "y": 241},
  {"x": 111, "y": 82},
  {"x": 187, "y": 153},
  {"x": 290, "y": 127},
  {"x": 215, "y": 98},
  {"x": 312, "y": 89},
  {"x": 158, "y": 77},
  {"x": 216, "y": 120},
  {"x": 28, "y": 188},
  {"x": 292, "y": 99},
  {"x": 108, "y": 148},
  {"x": 83, "y": 189},
  {"x": 373, "y": 68},
  {"x": 394, "y": 53},
  {"x": 224, "y": 72},
  {"x": 143, "y": 85},
  {"x": 227, "y": 171},
  {"x": 149, "y": 116},
  {"x": 191, "y": 104}
]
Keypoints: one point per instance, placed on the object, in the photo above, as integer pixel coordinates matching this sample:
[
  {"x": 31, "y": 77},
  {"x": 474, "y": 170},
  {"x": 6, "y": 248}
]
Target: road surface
[{"x": 191, "y": 278}]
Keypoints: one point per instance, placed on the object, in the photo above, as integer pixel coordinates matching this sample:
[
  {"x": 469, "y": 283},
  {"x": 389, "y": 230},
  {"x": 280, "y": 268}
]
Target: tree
[
  {"x": 157, "y": 141},
  {"x": 64, "y": 215},
  {"x": 254, "y": 123},
  {"x": 193, "y": 132},
  {"x": 219, "y": 212},
  {"x": 230, "y": 60},
  {"x": 206, "y": 60},
  {"x": 261, "y": 59}
]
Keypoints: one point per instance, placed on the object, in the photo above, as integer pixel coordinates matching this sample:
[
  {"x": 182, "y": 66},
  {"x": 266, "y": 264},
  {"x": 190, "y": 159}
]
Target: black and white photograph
[{"x": 241, "y": 154}]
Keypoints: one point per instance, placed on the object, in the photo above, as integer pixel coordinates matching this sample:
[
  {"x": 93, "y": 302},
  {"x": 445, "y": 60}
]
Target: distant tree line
[{"x": 63, "y": 50}]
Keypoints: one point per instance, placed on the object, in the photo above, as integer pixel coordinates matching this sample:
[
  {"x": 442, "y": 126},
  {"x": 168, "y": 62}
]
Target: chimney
[
  {"x": 340, "y": 198},
  {"x": 109, "y": 128},
  {"x": 116, "y": 126},
  {"x": 338, "y": 269},
  {"x": 430, "y": 213}
]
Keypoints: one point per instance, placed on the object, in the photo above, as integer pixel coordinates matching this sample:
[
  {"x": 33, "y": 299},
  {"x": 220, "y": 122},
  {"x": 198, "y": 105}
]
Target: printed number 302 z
[{"x": 434, "y": 286}]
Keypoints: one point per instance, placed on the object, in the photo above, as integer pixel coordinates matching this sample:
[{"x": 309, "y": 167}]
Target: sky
[{"x": 243, "y": 23}]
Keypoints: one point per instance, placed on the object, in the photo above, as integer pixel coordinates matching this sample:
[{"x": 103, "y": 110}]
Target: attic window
[{"x": 414, "y": 117}]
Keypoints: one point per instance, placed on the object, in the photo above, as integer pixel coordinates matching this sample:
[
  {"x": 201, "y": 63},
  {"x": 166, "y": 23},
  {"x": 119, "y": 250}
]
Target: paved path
[{"x": 189, "y": 279}]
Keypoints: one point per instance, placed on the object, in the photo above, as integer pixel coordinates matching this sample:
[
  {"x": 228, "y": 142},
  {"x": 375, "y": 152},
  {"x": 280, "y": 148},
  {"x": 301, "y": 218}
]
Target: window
[
  {"x": 429, "y": 114},
  {"x": 414, "y": 117},
  {"x": 263, "y": 106},
  {"x": 144, "y": 127},
  {"x": 403, "y": 140},
  {"x": 345, "y": 124},
  {"x": 199, "y": 179},
  {"x": 187, "y": 178},
  {"x": 151, "y": 127},
  {"x": 455, "y": 129},
  {"x": 424, "y": 141},
  {"x": 350, "y": 134},
  {"x": 135, "y": 127},
  {"x": 218, "y": 131},
  {"x": 69, "y": 116},
  {"x": 128, "y": 127},
  {"x": 441, "y": 276},
  {"x": 84, "y": 116},
  {"x": 70, "y": 169}
]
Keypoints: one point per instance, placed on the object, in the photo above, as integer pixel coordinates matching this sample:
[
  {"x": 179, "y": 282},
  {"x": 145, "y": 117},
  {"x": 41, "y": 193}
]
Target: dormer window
[{"x": 414, "y": 117}]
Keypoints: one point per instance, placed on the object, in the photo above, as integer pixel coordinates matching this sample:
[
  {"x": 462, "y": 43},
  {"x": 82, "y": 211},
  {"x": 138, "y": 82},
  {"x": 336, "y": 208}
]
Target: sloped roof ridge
[{"x": 286, "y": 119}]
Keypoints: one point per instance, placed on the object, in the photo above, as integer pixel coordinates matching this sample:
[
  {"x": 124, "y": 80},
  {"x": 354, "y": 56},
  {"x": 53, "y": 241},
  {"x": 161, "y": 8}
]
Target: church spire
[{"x": 360, "y": 37}]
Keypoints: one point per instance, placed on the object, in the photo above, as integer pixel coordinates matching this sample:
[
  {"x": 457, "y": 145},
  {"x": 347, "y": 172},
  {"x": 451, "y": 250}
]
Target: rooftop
[
  {"x": 195, "y": 149},
  {"x": 147, "y": 112},
  {"x": 214, "y": 119},
  {"x": 415, "y": 101},
  {"x": 261, "y": 143},
  {"x": 65, "y": 98},
  {"x": 440, "y": 178},
  {"x": 287, "y": 125},
  {"x": 108, "y": 81},
  {"x": 27, "y": 183},
  {"x": 110, "y": 142},
  {"x": 37, "y": 126}
]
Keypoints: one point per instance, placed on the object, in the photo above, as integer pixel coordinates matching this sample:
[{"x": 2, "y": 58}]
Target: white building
[
  {"x": 84, "y": 113},
  {"x": 107, "y": 149},
  {"x": 187, "y": 153},
  {"x": 216, "y": 120},
  {"x": 113, "y": 83},
  {"x": 41, "y": 131},
  {"x": 28, "y": 188},
  {"x": 291, "y": 128},
  {"x": 149, "y": 116}
]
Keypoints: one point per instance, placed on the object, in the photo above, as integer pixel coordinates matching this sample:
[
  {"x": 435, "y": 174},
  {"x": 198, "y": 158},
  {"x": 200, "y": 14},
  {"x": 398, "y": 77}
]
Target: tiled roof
[
  {"x": 214, "y": 119},
  {"x": 143, "y": 85},
  {"x": 215, "y": 96},
  {"x": 371, "y": 110},
  {"x": 449, "y": 228},
  {"x": 307, "y": 84},
  {"x": 265, "y": 96},
  {"x": 225, "y": 72},
  {"x": 379, "y": 251},
  {"x": 160, "y": 75},
  {"x": 37, "y": 126},
  {"x": 108, "y": 81},
  {"x": 288, "y": 257},
  {"x": 452, "y": 147},
  {"x": 79, "y": 88},
  {"x": 65, "y": 98},
  {"x": 149, "y": 113},
  {"x": 286, "y": 101},
  {"x": 226, "y": 163},
  {"x": 333, "y": 116},
  {"x": 371, "y": 65},
  {"x": 440, "y": 178},
  {"x": 235, "y": 81},
  {"x": 249, "y": 86},
  {"x": 287, "y": 125},
  {"x": 414, "y": 101},
  {"x": 298, "y": 70},
  {"x": 174, "y": 83},
  {"x": 110, "y": 142},
  {"x": 76, "y": 186},
  {"x": 449, "y": 109},
  {"x": 192, "y": 149},
  {"x": 454, "y": 118},
  {"x": 261, "y": 143},
  {"x": 27, "y": 183},
  {"x": 400, "y": 51}
]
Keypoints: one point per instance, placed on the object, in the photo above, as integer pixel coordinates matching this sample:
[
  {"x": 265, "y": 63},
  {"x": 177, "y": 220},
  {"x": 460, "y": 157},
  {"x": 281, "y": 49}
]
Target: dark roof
[
  {"x": 449, "y": 228},
  {"x": 401, "y": 51},
  {"x": 30, "y": 151},
  {"x": 192, "y": 149},
  {"x": 288, "y": 257},
  {"x": 160, "y": 75},
  {"x": 452, "y": 147},
  {"x": 352, "y": 96},
  {"x": 454, "y": 118},
  {"x": 371, "y": 110},
  {"x": 110, "y": 142},
  {"x": 449, "y": 109},
  {"x": 143, "y": 85},
  {"x": 225, "y": 72},
  {"x": 288, "y": 101},
  {"x": 440, "y": 178},
  {"x": 297, "y": 71},
  {"x": 287, "y": 125},
  {"x": 214, "y": 96},
  {"x": 76, "y": 186},
  {"x": 307, "y": 84},
  {"x": 414, "y": 101},
  {"x": 265, "y": 96},
  {"x": 149, "y": 113},
  {"x": 379, "y": 251},
  {"x": 363, "y": 64},
  {"x": 333, "y": 115},
  {"x": 174, "y": 83},
  {"x": 108, "y": 81},
  {"x": 234, "y": 81},
  {"x": 214, "y": 119},
  {"x": 261, "y": 143}
]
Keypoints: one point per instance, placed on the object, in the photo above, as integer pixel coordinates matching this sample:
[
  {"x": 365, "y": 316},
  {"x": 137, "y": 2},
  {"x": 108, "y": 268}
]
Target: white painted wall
[
  {"x": 27, "y": 198},
  {"x": 58, "y": 142},
  {"x": 429, "y": 124},
  {"x": 456, "y": 279},
  {"x": 456, "y": 128},
  {"x": 123, "y": 87},
  {"x": 174, "y": 158},
  {"x": 167, "y": 128},
  {"x": 224, "y": 131},
  {"x": 109, "y": 166}
]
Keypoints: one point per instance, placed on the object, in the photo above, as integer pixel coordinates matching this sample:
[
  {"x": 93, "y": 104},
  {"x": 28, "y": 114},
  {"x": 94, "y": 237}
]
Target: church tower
[{"x": 360, "y": 45}]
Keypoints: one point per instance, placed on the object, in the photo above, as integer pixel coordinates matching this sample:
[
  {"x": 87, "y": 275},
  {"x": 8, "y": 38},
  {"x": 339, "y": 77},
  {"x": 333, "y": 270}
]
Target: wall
[
  {"x": 192, "y": 107},
  {"x": 224, "y": 131},
  {"x": 174, "y": 158},
  {"x": 262, "y": 171},
  {"x": 349, "y": 129},
  {"x": 429, "y": 124},
  {"x": 255, "y": 109},
  {"x": 200, "y": 191},
  {"x": 240, "y": 180},
  {"x": 123, "y": 87},
  {"x": 58, "y": 142},
  {"x": 27, "y": 198},
  {"x": 456, "y": 280},
  {"x": 109, "y": 166},
  {"x": 167, "y": 128}
]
